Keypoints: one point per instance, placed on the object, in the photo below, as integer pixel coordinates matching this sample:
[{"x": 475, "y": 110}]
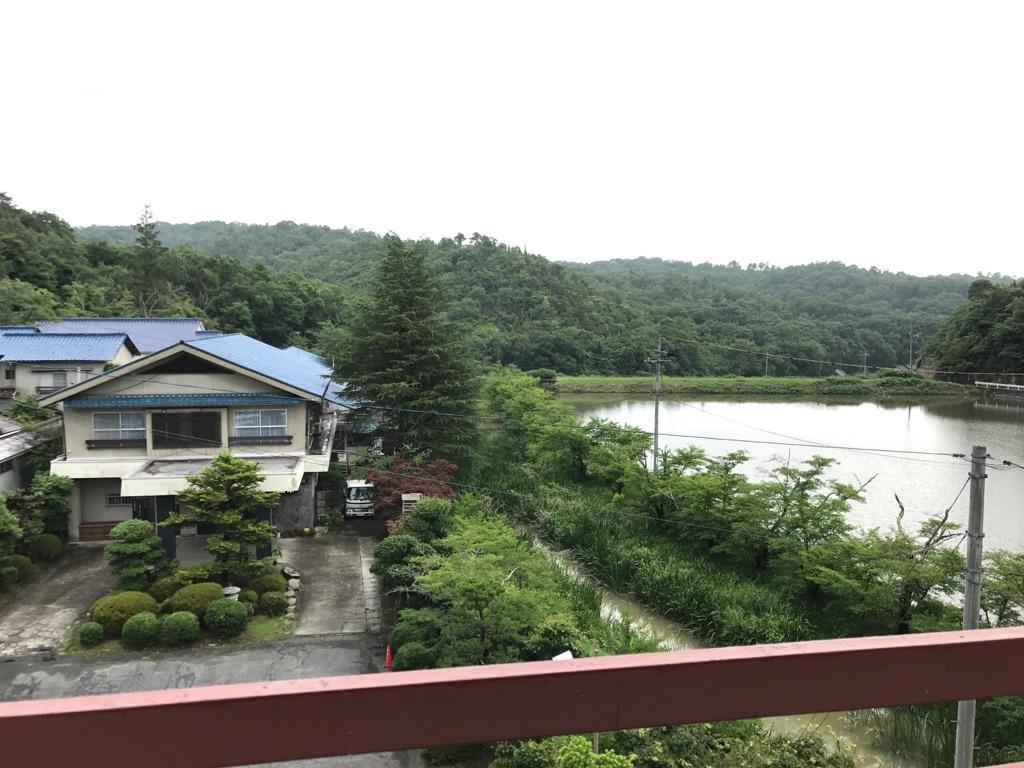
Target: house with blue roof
[
  {"x": 150, "y": 334},
  {"x": 134, "y": 435},
  {"x": 33, "y": 363}
]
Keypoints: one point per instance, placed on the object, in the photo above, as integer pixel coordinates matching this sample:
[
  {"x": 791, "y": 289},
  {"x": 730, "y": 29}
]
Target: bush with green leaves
[
  {"x": 45, "y": 546},
  {"x": 112, "y": 611},
  {"x": 20, "y": 563},
  {"x": 414, "y": 655},
  {"x": 269, "y": 583},
  {"x": 141, "y": 630},
  {"x": 195, "y": 598},
  {"x": 249, "y": 596},
  {"x": 8, "y": 576},
  {"x": 11, "y": 531},
  {"x": 578, "y": 753},
  {"x": 198, "y": 574},
  {"x": 226, "y": 617},
  {"x": 90, "y": 634},
  {"x": 273, "y": 603},
  {"x": 396, "y": 560},
  {"x": 163, "y": 588},
  {"x": 180, "y": 628},
  {"x": 135, "y": 554}
]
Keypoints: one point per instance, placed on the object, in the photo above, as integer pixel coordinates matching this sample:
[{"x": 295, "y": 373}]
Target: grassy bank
[{"x": 862, "y": 386}]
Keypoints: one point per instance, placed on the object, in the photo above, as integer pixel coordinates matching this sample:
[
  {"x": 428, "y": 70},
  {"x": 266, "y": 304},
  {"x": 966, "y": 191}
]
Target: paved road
[
  {"x": 338, "y": 592},
  {"x": 33, "y": 677},
  {"x": 38, "y": 615}
]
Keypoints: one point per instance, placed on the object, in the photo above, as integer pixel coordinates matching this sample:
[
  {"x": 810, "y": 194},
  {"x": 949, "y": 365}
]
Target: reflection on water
[
  {"x": 831, "y": 726},
  {"x": 926, "y": 484}
]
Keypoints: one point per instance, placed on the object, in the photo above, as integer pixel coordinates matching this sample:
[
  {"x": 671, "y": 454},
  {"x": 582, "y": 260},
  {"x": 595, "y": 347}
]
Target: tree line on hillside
[
  {"x": 524, "y": 310},
  {"x": 986, "y": 334},
  {"x": 46, "y": 272}
]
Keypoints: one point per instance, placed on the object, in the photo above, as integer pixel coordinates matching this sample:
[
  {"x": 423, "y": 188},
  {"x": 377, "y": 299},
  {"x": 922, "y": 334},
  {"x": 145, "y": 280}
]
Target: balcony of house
[{"x": 242, "y": 724}]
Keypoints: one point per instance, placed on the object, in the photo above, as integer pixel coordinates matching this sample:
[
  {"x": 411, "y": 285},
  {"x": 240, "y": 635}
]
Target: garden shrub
[
  {"x": 416, "y": 625},
  {"x": 90, "y": 634},
  {"x": 112, "y": 611},
  {"x": 195, "y": 598},
  {"x": 22, "y": 564},
  {"x": 249, "y": 596},
  {"x": 414, "y": 655},
  {"x": 273, "y": 603},
  {"x": 226, "y": 617},
  {"x": 237, "y": 575},
  {"x": 200, "y": 574},
  {"x": 140, "y": 630},
  {"x": 8, "y": 576},
  {"x": 180, "y": 628},
  {"x": 135, "y": 553},
  {"x": 270, "y": 583},
  {"x": 162, "y": 589},
  {"x": 45, "y": 546}
]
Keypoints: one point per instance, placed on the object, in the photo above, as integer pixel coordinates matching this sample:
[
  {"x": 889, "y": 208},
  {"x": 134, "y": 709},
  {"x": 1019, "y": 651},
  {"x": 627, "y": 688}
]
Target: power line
[{"x": 577, "y": 426}]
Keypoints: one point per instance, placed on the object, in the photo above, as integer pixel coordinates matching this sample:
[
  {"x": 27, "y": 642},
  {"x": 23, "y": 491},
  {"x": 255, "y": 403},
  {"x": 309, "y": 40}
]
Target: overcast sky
[{"x": 878, "y": 133}]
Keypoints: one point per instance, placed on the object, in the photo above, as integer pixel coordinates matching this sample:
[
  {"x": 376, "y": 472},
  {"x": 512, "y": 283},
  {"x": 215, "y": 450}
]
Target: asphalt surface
[
  {"x": 34, "y": 677},
  {"x": 38, "y": 615},
  {"x": 338, "y": 594}
]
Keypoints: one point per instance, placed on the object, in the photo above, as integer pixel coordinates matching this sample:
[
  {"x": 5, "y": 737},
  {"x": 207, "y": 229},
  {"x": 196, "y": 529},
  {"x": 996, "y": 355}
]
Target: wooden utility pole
[
  {"x": 765, "y": 363},
  {"x": 865, "y": 370},
  {"x": 964, "y": 755}
]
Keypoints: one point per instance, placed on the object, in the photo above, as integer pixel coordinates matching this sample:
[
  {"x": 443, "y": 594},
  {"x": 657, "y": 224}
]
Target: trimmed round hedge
[
  {"x": 273, "y": 582},
  {"x": 226, "y": 617},
  {"x": 90, "y": 634},
  {"x": 141, "y": 630},
  {"x": 195, "y": 598},
  {"x": 112, "y": 611},
  {"x": 8, "y": 576},
  {"x": 273, "y": 603},
  {"x": 180, "y": 628},
  {"x": 161, "y": 589},
  {"x": 45, "y": 546},
  {"x": 22, "y": 564},
  {"x": 248, "y": 596}
]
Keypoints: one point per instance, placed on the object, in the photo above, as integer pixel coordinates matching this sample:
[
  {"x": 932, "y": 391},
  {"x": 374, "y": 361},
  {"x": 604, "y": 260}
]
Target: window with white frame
[
  {"x": 119, "y": 425},
  {"x": 53, "y": 379},
  {"x": 269, "y": 422}
]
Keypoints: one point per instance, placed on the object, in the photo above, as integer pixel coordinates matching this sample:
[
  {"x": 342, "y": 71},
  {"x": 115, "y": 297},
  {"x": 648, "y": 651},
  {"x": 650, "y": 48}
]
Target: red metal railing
[{"x": 265, "y": 722}]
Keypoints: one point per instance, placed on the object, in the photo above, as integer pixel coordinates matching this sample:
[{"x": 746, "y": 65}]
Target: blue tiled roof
[
  {"x": 180, "y": 401},
  {"x": 305, "y": 372},
  {"x": 18, "y": 329},
  {"x": 60, "y": 347},
  {"x": 150, "y": 334}
]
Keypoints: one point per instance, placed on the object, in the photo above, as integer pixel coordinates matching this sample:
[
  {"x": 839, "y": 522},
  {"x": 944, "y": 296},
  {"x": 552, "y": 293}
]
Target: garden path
[
  {"x": 37, "y": 616},
  {"x": 338, "y": 593}
]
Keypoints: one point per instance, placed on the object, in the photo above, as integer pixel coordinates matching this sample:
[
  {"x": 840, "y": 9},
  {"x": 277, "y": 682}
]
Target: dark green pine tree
[
  {"x": 409, "y": 362},
  {"x": 147, "y": 237}
]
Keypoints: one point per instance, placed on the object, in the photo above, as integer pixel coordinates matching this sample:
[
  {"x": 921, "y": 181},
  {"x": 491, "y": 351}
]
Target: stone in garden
[
  {"x": 289, "y": 572},
  {"x": 293, "y": 583}
]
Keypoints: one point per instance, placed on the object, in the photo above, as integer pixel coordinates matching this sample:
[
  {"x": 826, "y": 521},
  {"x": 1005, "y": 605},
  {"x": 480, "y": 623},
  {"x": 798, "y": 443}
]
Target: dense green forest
[
  {"x": 285, "y": 282},
  {"x": 603, "y": 317},
  {"x": 984, "y": 334}
]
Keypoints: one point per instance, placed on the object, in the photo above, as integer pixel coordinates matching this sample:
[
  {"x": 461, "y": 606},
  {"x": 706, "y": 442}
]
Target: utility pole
[
  {"x": 765, "y": 363},
  {"x": 964, "y": 755},
  {"x": 865, "y": 370},
  {"x": 657, "y": 360}
]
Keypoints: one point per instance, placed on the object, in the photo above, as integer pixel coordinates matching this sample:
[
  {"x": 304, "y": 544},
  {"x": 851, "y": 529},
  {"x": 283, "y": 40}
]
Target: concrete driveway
[
  {"x": 338, "y": 593},
  {"x": 33, "y": 677},
  {"x": 39, "y": 614}
]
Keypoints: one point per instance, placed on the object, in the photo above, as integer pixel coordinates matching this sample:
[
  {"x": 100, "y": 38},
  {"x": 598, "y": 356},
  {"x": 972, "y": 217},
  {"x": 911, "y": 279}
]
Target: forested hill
[{"x": 604, "y": 317}]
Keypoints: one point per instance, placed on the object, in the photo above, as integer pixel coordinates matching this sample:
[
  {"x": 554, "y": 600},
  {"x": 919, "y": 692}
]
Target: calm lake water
[{"x": 926, "y": 484}]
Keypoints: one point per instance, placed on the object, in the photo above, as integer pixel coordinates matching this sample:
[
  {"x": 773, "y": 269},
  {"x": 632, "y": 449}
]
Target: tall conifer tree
[{"x": 408, "y": 362}]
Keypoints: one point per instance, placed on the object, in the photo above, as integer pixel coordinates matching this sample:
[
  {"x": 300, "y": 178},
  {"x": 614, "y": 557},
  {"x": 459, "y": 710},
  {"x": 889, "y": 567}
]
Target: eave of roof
[{"x": 203, "y": 400}]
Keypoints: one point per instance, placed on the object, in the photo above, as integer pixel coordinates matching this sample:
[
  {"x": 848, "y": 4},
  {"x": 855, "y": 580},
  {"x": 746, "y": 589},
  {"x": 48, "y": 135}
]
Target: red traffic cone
[{"x": 387, "y": 657}]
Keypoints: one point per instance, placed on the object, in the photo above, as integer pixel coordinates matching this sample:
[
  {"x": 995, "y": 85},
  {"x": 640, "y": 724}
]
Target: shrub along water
[
  {"x": 473, "y": 591},
  {"x": 732, "y": 560}
]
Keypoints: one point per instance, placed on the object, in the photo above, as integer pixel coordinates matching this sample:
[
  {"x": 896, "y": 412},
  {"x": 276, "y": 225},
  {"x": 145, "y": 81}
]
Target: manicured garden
[
  {"x": 30, "y": 521},
  {"x": 234, "y": 598}
]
